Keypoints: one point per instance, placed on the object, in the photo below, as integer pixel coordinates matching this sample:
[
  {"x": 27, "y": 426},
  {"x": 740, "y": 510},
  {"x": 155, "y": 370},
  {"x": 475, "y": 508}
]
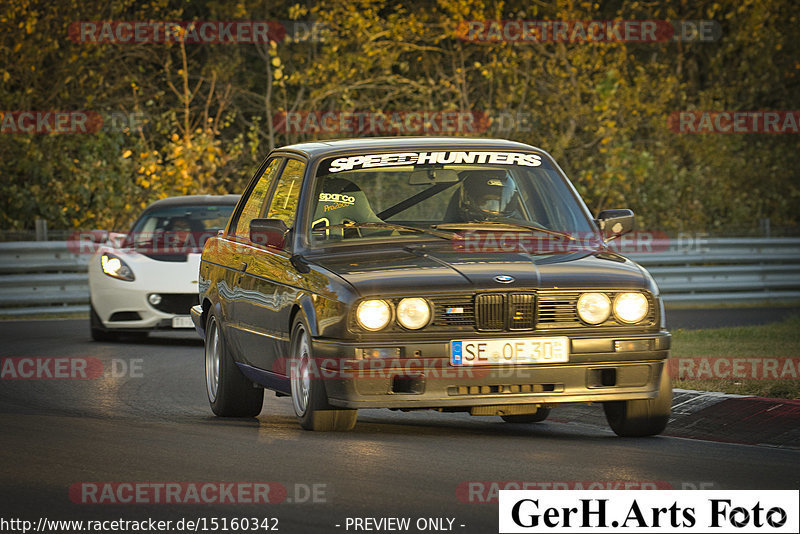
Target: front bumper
[
  {"x": 123, "y": 306},
  {"x": 110, "y": 305},
  {"x": 601, "y": 369}
]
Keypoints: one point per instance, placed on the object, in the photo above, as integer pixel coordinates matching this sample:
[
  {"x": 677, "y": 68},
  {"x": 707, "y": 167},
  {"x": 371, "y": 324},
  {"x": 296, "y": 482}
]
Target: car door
[
  {"x": 270, "y": 283},
  {"x": 234, "y": 251}
]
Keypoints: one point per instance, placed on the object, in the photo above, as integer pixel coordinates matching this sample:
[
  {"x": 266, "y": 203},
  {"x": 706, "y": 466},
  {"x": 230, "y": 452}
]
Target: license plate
[
  {"x": 182, "y": 321},
  {"x": 509, "y": 351}
]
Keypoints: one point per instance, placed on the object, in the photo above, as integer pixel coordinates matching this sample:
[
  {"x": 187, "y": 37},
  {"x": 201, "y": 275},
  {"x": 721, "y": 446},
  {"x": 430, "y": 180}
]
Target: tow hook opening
[
  {"x": 404, "y": 384},
  {"x": 603, "y": 378}
]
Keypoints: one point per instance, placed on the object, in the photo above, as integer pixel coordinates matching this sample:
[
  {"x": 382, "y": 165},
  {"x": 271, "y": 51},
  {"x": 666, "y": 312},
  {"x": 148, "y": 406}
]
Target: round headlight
[
  {"x": 413, "y": 313},
  {"x": 594, "y": 308},
  {"x": 630, "y": 307},
  {"x": 373, "y": 314}
]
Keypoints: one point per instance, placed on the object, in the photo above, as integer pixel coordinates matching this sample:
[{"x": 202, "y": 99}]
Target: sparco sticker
[
  {"x": 337, "y": 197},
  {"x": 420, "y": 158}
]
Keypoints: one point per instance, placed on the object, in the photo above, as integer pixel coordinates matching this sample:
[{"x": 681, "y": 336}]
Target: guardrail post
[
  {"x": 41, "y": 229},
  {"x": 764, "y": 226}
]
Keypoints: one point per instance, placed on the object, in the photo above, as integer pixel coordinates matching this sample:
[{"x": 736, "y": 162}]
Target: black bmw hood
[{"x": 417, "y": 271}]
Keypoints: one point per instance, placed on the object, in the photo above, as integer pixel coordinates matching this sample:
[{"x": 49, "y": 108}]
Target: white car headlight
[
  {"x": 413, "y": 313},
  {"x": 373, "y": 314},
  {"x": 594, "y": 308},
  {"x": 115, "y": 267},
  {"x": 630, "y": 307}
]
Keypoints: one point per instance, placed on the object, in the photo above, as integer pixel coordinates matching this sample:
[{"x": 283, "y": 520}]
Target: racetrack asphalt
[{"x": 145, "y": 422}]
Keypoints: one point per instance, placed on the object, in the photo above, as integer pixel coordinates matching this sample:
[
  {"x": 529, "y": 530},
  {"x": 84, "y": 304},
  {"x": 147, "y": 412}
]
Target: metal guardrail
[
  {"x": 40, "y": 277},
  {"x": 715, "y": 271},
  {"x": 48, "y": 277}
]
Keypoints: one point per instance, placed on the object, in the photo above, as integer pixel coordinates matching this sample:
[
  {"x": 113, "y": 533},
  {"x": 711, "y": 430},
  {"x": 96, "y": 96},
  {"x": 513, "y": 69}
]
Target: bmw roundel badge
[{"x": 503, "y": 279}]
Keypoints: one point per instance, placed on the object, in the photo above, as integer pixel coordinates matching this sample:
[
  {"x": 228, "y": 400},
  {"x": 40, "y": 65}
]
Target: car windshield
[
  {"x": 178, "y": 229},
  {"x": 442, "y": 195}
]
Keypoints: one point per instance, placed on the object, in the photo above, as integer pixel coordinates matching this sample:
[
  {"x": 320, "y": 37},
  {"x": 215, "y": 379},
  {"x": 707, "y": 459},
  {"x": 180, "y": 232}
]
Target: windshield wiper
[
  {"x": 390, "y": 226},
  {"x": 494, "y": 223}
]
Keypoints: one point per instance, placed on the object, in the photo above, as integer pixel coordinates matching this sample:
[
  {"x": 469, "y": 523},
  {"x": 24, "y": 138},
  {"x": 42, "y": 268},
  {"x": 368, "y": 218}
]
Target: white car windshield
[{"x": 178, "y": 228}]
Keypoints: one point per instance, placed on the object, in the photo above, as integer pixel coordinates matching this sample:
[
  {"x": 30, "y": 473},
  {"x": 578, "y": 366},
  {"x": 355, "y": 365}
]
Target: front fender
[
  {"x": 198, "y": 318},
  {"x": 309, "y": 314}
]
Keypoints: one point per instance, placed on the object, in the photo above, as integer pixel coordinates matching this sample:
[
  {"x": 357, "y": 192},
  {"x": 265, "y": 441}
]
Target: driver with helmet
[{"x": 486, "y": 195}]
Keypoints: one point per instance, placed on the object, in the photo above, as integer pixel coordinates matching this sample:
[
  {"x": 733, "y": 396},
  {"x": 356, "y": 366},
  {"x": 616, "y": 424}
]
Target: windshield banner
[{"x": 441, "y": 158}]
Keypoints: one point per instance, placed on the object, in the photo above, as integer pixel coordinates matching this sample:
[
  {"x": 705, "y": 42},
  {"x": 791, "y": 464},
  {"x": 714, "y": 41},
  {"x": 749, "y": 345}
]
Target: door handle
[{"x": 243, "y": 266}]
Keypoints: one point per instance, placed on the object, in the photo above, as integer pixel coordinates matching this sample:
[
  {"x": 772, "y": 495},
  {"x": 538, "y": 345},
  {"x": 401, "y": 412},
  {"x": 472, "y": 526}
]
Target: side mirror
[
  {"x": 614, "y": 223},
  {"x": 268, "y": 232}
]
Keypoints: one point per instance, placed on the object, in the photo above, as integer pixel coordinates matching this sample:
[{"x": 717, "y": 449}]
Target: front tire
[
  {"x": 230, "y": 393},
  {"x": 309, "y": 399},
  {"x": 646, "y": 417}
]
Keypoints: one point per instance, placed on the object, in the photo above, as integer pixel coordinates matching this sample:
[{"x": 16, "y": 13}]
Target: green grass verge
[{"x": 772, "y": 340}]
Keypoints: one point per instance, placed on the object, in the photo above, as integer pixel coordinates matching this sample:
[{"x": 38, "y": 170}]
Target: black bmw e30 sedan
[{"x": 450, "y": 274}]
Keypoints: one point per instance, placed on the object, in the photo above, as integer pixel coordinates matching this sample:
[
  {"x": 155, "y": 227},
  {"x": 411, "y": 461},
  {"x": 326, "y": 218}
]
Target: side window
[
  {"x": 287, "y": 193},
  {"x": 256, "y": 202}
]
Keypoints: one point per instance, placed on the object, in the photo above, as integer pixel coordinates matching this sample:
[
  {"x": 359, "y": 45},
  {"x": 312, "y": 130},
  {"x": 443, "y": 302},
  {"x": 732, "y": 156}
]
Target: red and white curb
[{"x": 735, "y": 418}]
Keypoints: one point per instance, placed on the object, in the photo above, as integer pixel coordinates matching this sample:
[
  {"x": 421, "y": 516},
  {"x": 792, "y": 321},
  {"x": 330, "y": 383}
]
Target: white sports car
[{"x": 147, "y": 280}]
